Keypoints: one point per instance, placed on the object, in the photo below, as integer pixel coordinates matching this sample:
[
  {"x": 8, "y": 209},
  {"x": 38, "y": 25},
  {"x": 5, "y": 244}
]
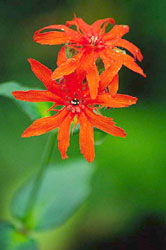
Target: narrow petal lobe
[
  {"x": 86, "y": 138},
  {"x": 131, "y": 48},
  {"x": 37, "y": 96},
  {"x": 96, "y": 26},
  {"x": 119, "y": 101},
  {"x": 64, "y": 136},
  {"x": 108, "y": 75},
  {"x": 130, "y": 63},
  {"x": 67, "y": 67},
  {"x": 62, "y": 58},
  {"x": 105, "y": 124},
  {"x": 63, "y": 35},
  {"x": 43, "y": 125},
  {"x": 117, "y": 32},
  {"x": 80, "y": 24},
  {"x": 114, "y": 86},
  {"x": 43, "y": 74},
  {"x": 93, "y": 80}
]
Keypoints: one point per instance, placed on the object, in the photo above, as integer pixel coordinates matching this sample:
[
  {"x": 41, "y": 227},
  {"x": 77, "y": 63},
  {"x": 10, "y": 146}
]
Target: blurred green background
[{"x": 127, "y": 205}]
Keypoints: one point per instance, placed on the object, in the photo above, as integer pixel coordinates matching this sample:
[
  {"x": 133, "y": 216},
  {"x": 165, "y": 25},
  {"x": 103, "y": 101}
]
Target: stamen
[
  {"x": 93, "y": 40},
  {"x": 75, "y": 102}
]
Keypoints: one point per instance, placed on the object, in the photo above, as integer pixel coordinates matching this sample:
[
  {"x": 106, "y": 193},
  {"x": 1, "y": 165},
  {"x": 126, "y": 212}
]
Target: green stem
[{"x": 39, "y": 178}]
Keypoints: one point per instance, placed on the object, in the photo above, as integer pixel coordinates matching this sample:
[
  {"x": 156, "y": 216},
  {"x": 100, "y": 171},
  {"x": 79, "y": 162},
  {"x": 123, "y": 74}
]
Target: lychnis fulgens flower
[
  {"x": 90, "y": 43},
  {"x": 71, "y": 93}
]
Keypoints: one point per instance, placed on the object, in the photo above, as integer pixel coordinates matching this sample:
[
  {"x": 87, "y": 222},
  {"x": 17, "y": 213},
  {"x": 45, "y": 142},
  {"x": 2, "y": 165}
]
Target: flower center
[
  {"x": 75, "y": 106},
  {"x": 75, "y": 102},
  {"x": 93, "y": 40},
  {"x": 96, "y": 42}
]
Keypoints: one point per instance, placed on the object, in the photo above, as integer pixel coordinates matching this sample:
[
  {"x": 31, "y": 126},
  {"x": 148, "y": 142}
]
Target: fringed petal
[
  {"x": 135, "y": 51},
  {"x": 114, "y": 86},
  {"x": 37, "y": 96},
  {"x": 119, "y": 101},
  {"x": 117, "y": 32},
  {"x": 86, "y": 60},
  {"x": 43, "y": 74},
  {"x": 75, "y": 81},
  {"x": 67, "y": 67},
  {"x": 65, "y": 35},
  {"x": 93, "y": 80},
  {"x": 88, "y": 67},
  {"x": 51, "y": 38},
  {"x": 104, "y": 123},
  {"x": 86, "y": 138},
  {"x": 80, "y": 24},
  {"x": 62, "y": 58},
  {"x": 43, "y": 125},
  {"x": 105, "y": 58},
  {"x": 130, "y": 63},
  {"x": 64, "y": 136},
  {"x": 96, "y": 26},
  {"x": 126, "y": 60},
  {"x": 108, "y": 75}
]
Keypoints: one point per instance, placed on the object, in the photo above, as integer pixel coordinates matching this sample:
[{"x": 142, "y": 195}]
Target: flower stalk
[{"x": 46, "y": 157}]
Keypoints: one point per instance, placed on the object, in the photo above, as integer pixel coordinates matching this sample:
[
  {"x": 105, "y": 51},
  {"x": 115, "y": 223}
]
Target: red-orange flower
[
  {"x": 72, "y": 94},
  {"x": 92, "y": 42}
]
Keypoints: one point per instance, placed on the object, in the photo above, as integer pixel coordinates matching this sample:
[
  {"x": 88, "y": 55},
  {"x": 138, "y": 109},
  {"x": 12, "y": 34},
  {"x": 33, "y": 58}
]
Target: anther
[{"x": 75, "y": 102}]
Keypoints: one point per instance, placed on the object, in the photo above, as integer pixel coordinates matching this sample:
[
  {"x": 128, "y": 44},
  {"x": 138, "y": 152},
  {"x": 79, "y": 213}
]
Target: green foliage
[
  {"x": 33, "y": 110},
  {"x": 62, "y": 191},
  {"x": 99, "y": 136},
  {"x": 12, "y": 239},
  {"x": 70, "y": 52}
]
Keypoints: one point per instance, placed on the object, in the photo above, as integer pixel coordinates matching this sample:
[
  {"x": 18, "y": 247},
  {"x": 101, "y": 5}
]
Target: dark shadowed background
[{"x": 127, "y": 205}]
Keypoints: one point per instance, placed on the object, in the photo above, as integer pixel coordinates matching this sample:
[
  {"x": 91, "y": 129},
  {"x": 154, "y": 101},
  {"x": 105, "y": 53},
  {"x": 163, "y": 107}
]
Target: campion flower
[
  {"x": 92, "y": 42},
  {"x": 71, "y": 93}
]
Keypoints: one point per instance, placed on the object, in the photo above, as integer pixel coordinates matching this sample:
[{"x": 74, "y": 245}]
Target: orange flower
[
  {"x": 72, "y": 94},
  {"x": 92, "y": 42}
]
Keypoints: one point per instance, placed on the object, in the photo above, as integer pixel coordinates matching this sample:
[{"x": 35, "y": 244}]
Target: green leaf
[
  {"x": 70, "y": 52},
  {"x": 63, "y": 190},
  {"x": 12, "y": 239},
  {"x": 33, "y": 110}
]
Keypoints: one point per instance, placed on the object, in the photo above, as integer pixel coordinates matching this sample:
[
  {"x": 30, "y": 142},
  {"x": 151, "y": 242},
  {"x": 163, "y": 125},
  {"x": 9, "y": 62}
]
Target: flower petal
[
  {"x": 62, "y": 58},
  {"x": 131, "y": 48},
  {"x": 86, "y": 138},
  {"x": 43, "y": 74},
  {"x": 130, "y": 63},
  {"x": 80, "y": 24},
  {"x": 114, "y": 86},
  {"x": 104, "y": 123},
  {"x": 37, "y": 96},
  {"x": 96, "y": 26},
  {"x": 43, "y": 125},
  {"x": 93, "y": 80},
  {"x": 64, "y": 136},
  {"x": 88, "y": 67},
  {"x": 117, "y": 32},
  {"x": 119, "y": 101},
  {"x": 105, "y": 58},
  {"x": 51, "y": 38},
  {"x": 74, "y": 80},
  {"x": 65, "y": 35},
  {"x": 126, "y": 60},
  {"x": 86, "y": 60},
  {"x": 108, "y": 75},
  {"x": 67, "y": 67},
  {"x": 126, "y": 99}
]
